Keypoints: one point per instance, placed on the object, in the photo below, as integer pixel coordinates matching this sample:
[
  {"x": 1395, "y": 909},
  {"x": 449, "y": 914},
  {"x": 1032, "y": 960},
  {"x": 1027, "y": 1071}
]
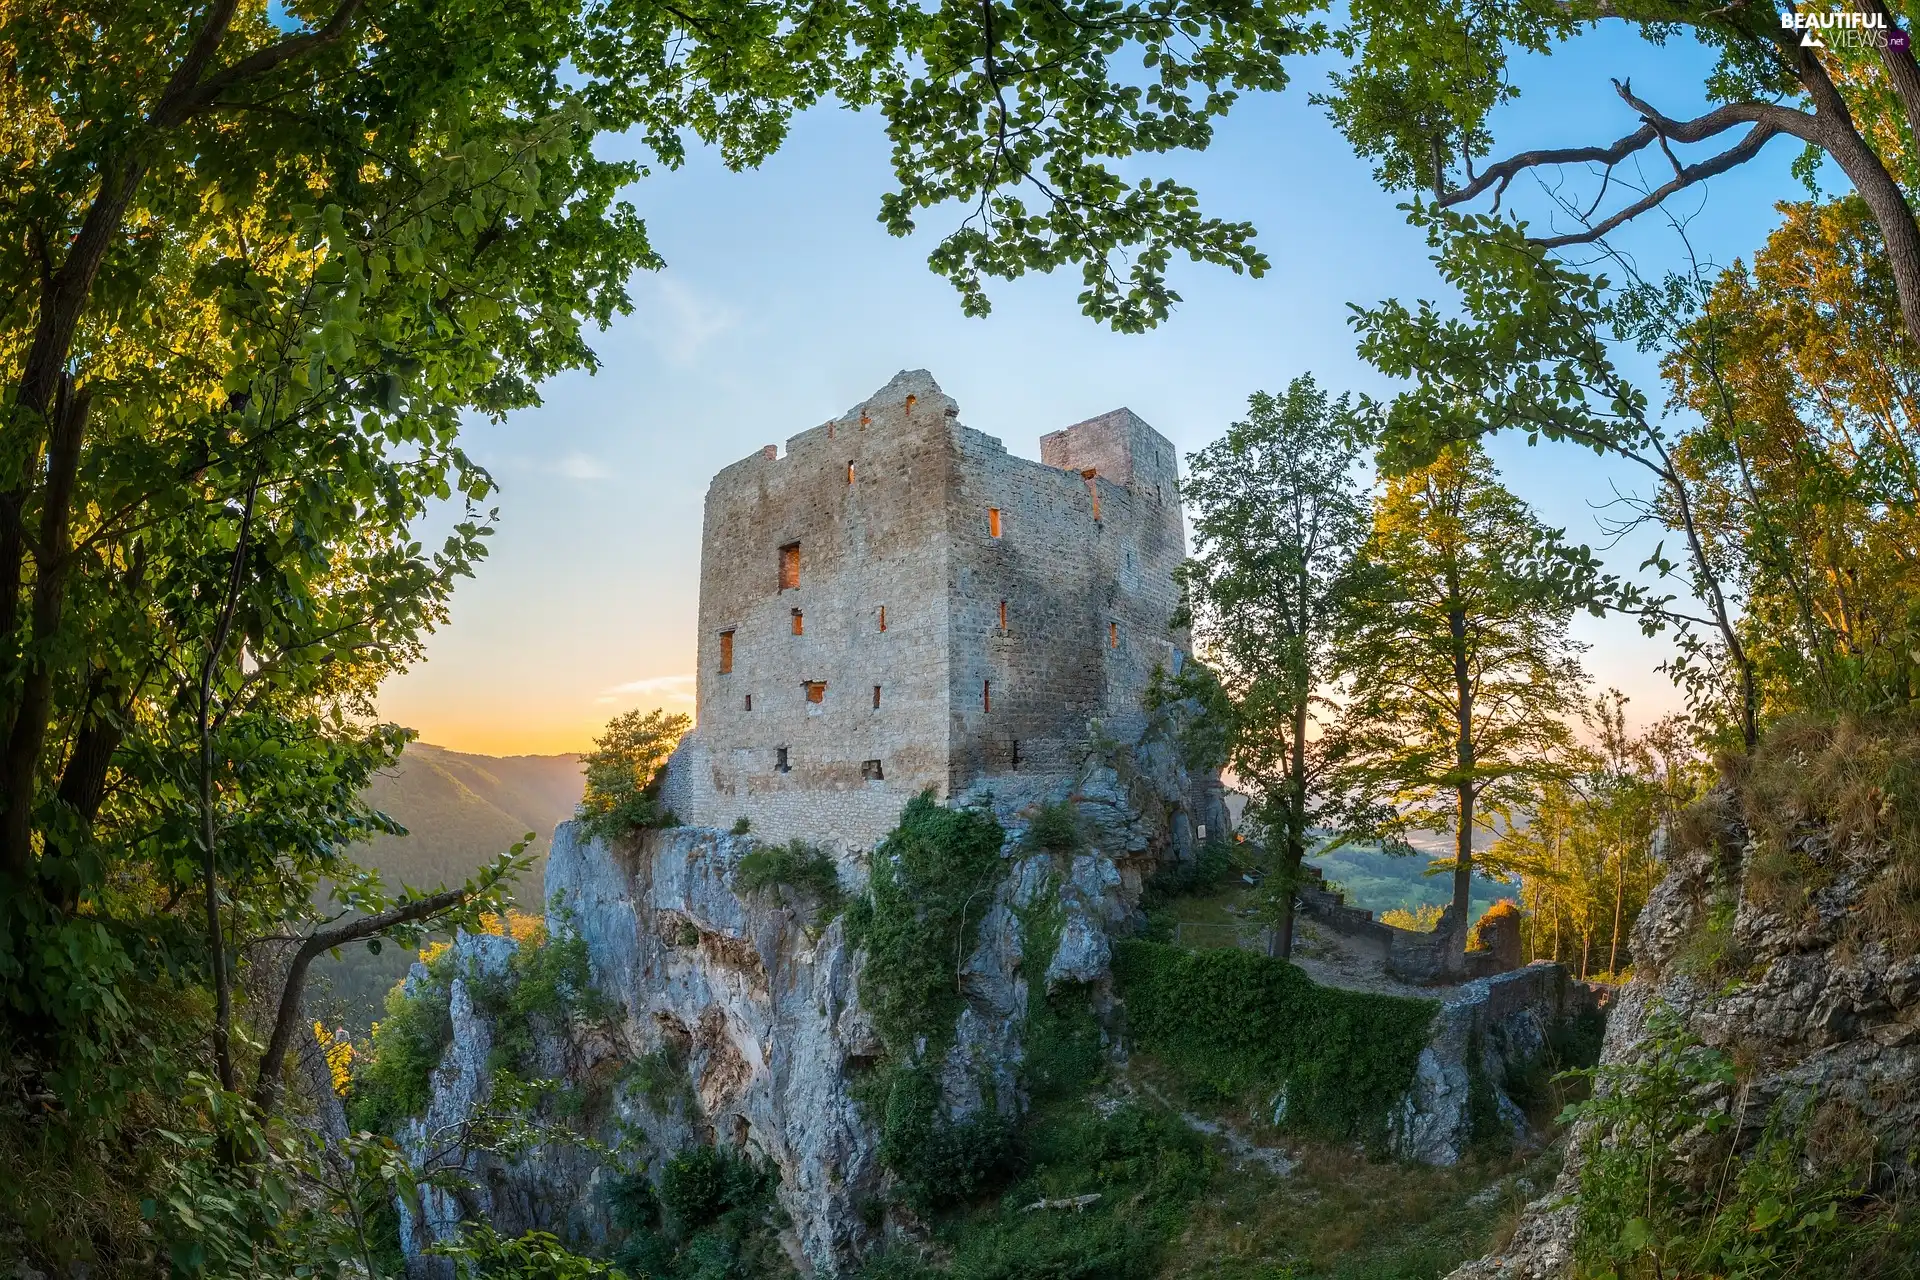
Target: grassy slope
[{"x": 459, "y": 811}]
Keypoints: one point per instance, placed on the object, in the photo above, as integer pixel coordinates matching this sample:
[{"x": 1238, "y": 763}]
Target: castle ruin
[{"x": 897, "y": 604}]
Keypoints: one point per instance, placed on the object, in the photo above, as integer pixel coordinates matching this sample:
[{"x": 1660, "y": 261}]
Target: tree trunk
[
  {"x": 1464, "y": 787},
  {"x": 1619, "y": 896}
]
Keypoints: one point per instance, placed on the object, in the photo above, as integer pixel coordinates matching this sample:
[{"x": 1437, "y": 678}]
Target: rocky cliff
[{"x": 1765, "y": 949}]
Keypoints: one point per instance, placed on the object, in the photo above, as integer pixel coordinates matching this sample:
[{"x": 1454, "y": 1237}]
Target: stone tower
[{"x": 897, "y": 604}]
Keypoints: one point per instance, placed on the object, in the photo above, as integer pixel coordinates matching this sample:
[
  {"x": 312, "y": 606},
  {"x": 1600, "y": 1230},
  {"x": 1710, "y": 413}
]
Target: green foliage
[
  {"x": 1143, "y": 1168},
  {"x": 1229, "y": 1021},
  {"x": 1211, "y": 866},
  {"x": 393, "y": 1080},
  {"x": 806, "y": 870},
  {"x": 481, "y": 1253},
  {"x": 939, "y": 1161},
  {"x": 623, "y": 773},
  {"x": 932, "y": 880},
  {"x": 1666, "y": 1190},
  {"x": 1065, "y": 1050},
  {"x": 660, "y": 1078},
  {"x": 741, "y": 826},
  {"x": 1055, "y": 828},
  {"x": 1279, "y": 519},
  {"x": 720, "y": 1220},
  {"x": 547, "y": 984}
]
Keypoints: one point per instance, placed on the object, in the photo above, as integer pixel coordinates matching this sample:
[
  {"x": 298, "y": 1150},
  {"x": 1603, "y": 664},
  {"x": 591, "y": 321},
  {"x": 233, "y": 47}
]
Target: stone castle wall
[{"x": 1021, "y": 601}]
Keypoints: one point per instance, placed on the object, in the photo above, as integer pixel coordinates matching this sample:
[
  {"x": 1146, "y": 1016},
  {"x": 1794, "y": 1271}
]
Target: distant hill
[{"x": 459, "y": 810}]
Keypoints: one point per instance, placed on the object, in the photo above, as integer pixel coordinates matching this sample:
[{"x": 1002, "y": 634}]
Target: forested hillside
[{"x": 459, "y": 811}]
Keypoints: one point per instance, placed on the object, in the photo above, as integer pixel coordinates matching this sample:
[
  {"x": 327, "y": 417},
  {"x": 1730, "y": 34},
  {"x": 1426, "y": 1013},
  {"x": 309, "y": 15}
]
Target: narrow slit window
[
  {"x": 1003, "y": 615},
  {"x": 876, "y": 697},
  {"x": 790, "y": 566},
  {"x": 1016, "y": 753},
  {"x": 799, "y": 624},
  {"x": 780, "y": 762},
  {"x": 749, "y": 702},
  {"x": 1093, "y": 492},
  {"x": 726, "y": 652},
  {"x": 993, "y": 522},
  {"x": 816, "y": 691},
  {"x": 986, "y": 695},
  {"x": 883, "y": 617},
  {"x": 849, "y": 473},
  {"x": 1113, "y": 633}
]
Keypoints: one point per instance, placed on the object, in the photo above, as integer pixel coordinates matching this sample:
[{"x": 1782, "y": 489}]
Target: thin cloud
[
  {"x": 663, "y": 688},
  {"x": 678, "y": 321},
  {"x": 582, "y": 466}
]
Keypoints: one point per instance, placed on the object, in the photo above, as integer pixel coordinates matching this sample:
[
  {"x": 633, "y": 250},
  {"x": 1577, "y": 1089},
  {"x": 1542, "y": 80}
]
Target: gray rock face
[
  {"x": 1828, "y": 1021},
  {"x": 754, "y": 1010},
  {"x": 1492, "y": 1024}
]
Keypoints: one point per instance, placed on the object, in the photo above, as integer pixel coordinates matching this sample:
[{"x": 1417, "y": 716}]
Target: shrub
[
  {"x": 741, "y": 826},
  {"x": 1422, "y": 919},
  {"x": 939, "y": 1161},
  {"x": 1230, "y": 1020},
  {"x": 1055, "y": 828},
  {"x": 719, "y": 1219},
  {"x": 481, "y": 1253},
  {"x": 623, "y": 773},
  {"x": 393, "y": 1080},
  {"x": 1661, "y": 1121},
  {"x": 805, "y": 870}
]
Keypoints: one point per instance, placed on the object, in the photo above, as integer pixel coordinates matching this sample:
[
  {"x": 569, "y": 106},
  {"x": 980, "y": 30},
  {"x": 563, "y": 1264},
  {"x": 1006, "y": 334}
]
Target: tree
[
  {"x": 1460, "y": 671},
  {"x": 1583, "y": 849},
  {"x": 1806, "y": 459},
  {"x": 622, "y": 770},
  {"x": 1279, "y": 516},
  {"x": 1423, "y": 82}
]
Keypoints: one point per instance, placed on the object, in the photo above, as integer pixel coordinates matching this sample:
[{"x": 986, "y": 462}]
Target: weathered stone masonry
[{"x": 897, "y": 603}]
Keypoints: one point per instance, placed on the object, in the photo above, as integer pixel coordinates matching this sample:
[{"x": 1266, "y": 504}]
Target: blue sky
[{"x": 783, "y": 303}]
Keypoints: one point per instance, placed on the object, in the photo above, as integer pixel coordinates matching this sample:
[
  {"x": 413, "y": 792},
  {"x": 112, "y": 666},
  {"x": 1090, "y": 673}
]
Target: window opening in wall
[
  {"x": 1016, "y": 754},
  {"x": 912, "y": 401},
  {"x": 1003, "y": 615},
  {"x": 883, "y": 617},
  {"x": 799, "y": 624},
  {"x": 993, "y": 522},
  {"x": 871, "y": 771},
  {"x": 1113, "y": 634},
  {"x": 986, "y": 695},
  {"x": 816, "y": 691},
  {"x": 790, "y": 566},
  {"x": 849, "y": 473},
  {"x": 876, "y": 697},
  {"x": 749, "y": 706},
  {"x": 726, "y": 652},
  {"x": 780, "y": 760}
]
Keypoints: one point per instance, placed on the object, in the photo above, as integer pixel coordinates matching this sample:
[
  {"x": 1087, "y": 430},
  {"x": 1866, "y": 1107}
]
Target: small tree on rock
[{"x": 622, "y": 771}]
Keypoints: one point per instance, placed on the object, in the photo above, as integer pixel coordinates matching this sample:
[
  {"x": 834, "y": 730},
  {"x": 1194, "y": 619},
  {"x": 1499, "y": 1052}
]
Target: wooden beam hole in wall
[
  {"x": 1113, "y": 634},
  {"x": 1003, "y": 615},
  {"x": 986, "y": 695},
  {"x": 749, "y": 705},
  {"x": 883, "y": 617}
]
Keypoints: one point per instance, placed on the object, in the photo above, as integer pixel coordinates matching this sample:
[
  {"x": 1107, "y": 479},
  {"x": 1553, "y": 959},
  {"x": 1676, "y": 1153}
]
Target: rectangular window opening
[
  {"x": 1113, "y": 635},
  {"x": 871, "y": 771},
  {"x": 816, "y": 691},
  {"x": 1016, "y": 753},
  {"x": 790, "y": 566},
  {"x": 986, "y": 695},
  {"x": 726, "y": 652},
  {"x": 849, "y": 473},
  {"x": 1003, "y": 615},
  {"x": 993, "y": 522},
  {"x": 749, "y": 706},
  {"x": 876, "y": 697},
  {"x": 883, "y": 617},
  {"x": 780, "y": 761},
  {"x": 799, "y": 624}
]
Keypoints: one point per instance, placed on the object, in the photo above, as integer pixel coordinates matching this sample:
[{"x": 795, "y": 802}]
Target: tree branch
[{"x": 266, "y": 1085}]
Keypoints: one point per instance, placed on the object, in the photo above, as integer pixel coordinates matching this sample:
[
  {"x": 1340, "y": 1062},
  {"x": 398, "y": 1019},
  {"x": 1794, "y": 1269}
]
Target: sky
[{"x": 783, "y": 303}]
